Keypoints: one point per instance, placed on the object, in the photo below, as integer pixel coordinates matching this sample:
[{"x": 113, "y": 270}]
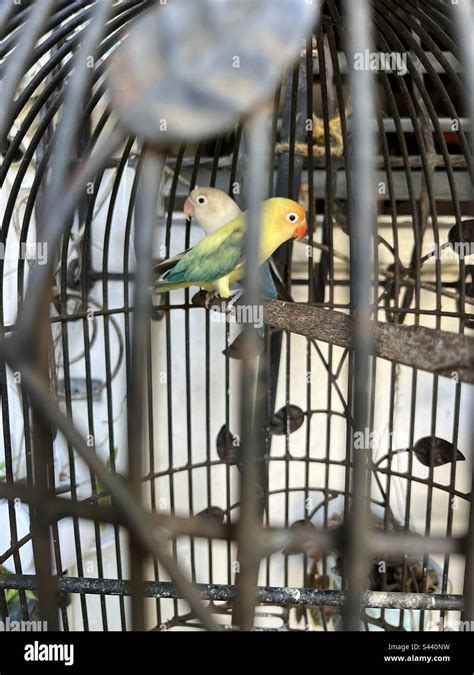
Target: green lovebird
[{"x": 217, "y": 261}]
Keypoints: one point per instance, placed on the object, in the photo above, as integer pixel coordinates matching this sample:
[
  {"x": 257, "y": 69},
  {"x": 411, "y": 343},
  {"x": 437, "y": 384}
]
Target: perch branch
[{"x": 435, "y": 351}]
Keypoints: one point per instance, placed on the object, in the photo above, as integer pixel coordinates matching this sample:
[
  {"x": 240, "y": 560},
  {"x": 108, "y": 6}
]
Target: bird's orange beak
[
  {"x": 188, "y": 208},
  {"x": 301, "y": 230}
]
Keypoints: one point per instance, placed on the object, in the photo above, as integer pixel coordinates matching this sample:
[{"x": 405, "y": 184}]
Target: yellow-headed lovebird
[
  {"x": 212, "y": 208},
  {"x": 217, "y": 261}
]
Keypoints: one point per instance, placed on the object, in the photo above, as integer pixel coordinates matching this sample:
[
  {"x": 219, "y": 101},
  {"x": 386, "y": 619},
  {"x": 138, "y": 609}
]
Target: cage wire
[{"x": 135, "y": 490}]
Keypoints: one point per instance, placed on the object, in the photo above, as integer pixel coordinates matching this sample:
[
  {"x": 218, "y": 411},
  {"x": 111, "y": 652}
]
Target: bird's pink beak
[
  {"x": 301, "y": 230},
  {"x": 188, "y": 208}
]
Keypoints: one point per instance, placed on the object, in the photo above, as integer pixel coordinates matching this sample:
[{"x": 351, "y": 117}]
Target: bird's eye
[
  {"x": 201, "y": 200},
  {"x": 292, "y": 217}
]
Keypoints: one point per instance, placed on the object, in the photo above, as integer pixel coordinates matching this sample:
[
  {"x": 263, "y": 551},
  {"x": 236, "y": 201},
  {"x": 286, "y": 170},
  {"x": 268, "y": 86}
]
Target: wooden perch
[{"x": 435, "y": 351}]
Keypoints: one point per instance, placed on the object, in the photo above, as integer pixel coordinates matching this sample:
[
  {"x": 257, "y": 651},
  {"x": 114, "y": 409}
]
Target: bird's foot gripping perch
[
  {"x": 209, "y": 297},
  {"x": 231, "y": 299}
]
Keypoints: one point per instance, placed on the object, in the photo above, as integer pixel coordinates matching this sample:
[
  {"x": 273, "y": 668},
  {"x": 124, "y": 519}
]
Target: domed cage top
[{"x": 295, "y": 463}]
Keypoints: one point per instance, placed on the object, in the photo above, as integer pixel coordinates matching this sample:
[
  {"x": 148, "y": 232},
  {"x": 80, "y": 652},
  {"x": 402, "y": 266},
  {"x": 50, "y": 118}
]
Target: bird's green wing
[
  {"x": 212, "y": 258},
  {"x": 166, "y": 265}
]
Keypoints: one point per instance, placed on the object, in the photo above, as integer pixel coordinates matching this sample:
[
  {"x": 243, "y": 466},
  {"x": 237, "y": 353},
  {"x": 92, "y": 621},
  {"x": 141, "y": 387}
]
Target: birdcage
[{"x": 166, "y": 464}]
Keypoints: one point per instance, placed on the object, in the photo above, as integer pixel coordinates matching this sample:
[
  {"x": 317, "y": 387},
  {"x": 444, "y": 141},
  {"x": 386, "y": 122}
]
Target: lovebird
[
  {"x": 217, "y": 261},
  {"x": 212, "y": 208}
]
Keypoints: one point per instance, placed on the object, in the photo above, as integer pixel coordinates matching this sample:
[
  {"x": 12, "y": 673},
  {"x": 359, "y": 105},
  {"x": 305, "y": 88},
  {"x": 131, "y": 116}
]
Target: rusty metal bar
[{"x": 267, "y": 595}]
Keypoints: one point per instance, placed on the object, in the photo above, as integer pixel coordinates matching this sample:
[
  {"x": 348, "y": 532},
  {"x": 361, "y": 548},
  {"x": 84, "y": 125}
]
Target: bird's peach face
[
  {"x": 189, "y": 207},
  {"x": 301, "y": 229},
  {"x": 211, "y": 208},
  {"x": 200, "y": 206},
  {"x": 195, "y": 201},
  {"x": 297, "y": 219}
]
